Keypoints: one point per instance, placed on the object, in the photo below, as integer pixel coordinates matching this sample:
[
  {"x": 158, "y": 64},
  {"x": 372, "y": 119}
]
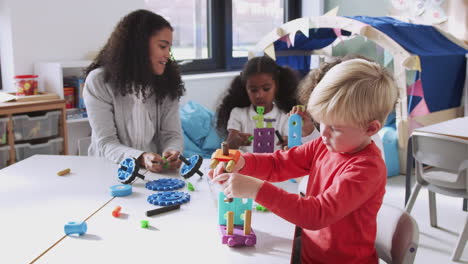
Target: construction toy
[
  {"x": 295, "y": 130},
  {"x": 238, "y": 206},
  {"x": 121, "y": 190},
  {"x": 166, "y": 163},
  {"x": 190, "y": 187},
  {"x": 63, "y": 172},
  {"x": 168, "y": 198},
  {"x": 79, "y": 228},
  {"x": 116, "y": 211},
  {"x": 128, "y": 171},
  {"x": 162, "y": 210},
  {"x": 261, "y": 208},
  {"x": 165, "y": 184},
  {"x": 238, "y": 235},
  {"x": 144, "y": 224},
  {"x": 191, "y": 166},
  {"x": 225, "y": 154},
  {"x": 259, "y": 118},
  {"x": 264, "y": 140},
  {"x": 269, "y": 122}
]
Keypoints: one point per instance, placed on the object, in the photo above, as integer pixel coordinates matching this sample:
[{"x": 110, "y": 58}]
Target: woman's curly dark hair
[
  {"x": 236, "y": 96},
  {"x": 126, "y": 61}
]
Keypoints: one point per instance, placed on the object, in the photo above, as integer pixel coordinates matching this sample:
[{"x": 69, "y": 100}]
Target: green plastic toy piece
[
  {"x": 190, "y": 187},
  {"x": 166, "y": 163},
  {"x": 261, "y": 208},
  {"x": 260, "y": 110},
  {"x": 259, "y": 119},
  {"x": 144, "y": 224},
  {"x": 251, "y": 138},
  {"x": 302, "y": 107}
]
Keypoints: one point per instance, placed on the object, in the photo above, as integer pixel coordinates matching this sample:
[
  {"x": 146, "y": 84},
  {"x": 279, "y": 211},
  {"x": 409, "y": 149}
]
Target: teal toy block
[
  {"x": 295, "y": 130},
  {"x": 238, "y": 206}
]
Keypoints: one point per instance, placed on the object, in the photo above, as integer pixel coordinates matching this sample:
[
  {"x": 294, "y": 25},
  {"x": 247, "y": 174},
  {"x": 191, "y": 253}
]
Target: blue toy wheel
[
  {"x": 165, "y": 184},
  {"x": 191, "y": 166},
  {"x": 168, "y": 198},
  {"x": 128, "y": 170}
]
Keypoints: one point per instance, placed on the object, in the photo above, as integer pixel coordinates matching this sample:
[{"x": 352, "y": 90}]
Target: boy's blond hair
[{"x": 354, "y": 91}]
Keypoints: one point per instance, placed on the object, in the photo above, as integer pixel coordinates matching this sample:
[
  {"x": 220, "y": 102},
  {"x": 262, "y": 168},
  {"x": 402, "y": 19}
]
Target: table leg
[{"x": 409, "y": 170}]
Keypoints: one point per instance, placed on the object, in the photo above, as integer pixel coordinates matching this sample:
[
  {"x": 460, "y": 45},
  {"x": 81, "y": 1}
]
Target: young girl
[{"x": 261, "y": 83}]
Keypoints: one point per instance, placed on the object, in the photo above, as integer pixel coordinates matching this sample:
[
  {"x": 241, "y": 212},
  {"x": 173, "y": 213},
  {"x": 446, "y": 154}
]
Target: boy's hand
[
  {"x": 236, "y": 185},
  {"x": 307, "y": 123},
  {"x": 151, "y": 161},
  {"x": 172, "y": 157},
  {"x": 220, "y": 169}
]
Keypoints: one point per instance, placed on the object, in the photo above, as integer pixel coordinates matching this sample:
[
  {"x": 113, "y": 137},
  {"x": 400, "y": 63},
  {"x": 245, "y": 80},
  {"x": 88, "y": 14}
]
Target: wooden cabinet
[{"x": 9, "y": 109}]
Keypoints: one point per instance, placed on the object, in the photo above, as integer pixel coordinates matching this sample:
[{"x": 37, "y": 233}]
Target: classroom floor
[{"x": 435, "y": 244}]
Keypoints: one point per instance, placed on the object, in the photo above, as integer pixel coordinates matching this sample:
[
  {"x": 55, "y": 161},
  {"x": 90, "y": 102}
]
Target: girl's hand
[
  {"x": 243, "y": 139},
  {"x": 236, "y": 185},
  {"x": 307, "y": 121},
  {"x": 151, "y": 161},
  {"x": 172, "y": 157}
]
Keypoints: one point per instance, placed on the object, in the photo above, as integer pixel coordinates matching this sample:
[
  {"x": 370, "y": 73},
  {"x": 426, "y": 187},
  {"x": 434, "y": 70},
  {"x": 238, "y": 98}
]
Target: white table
[
  {"x": 35, "y": 203},
  {"x": 188, "y": 235}
]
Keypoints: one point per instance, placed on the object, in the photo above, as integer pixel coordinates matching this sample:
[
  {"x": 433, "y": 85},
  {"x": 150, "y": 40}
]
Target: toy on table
[
  {"x": 191, "y": 166},
  {"x": 225, "y": 154},
  {"x": 231, "y": 156},
  {"x": 190, "y": 187},
  {"x": 295, "y": 128},
  {"x": 235, "y": 222},
  {"x": 162, "y": 210},
  {"x": 63, "y": 172},
  {"x": 264, "y": 137},
  {"x": 128, "y": 171},
  {"x": 79, "y": 228},
  {"x": 168, "y": 198},
  {"x": 144, "y": 224},
  {"x": 116, "y": 211},
  {"x": 121, "y": 190},
  {"x": 165, "y": 184}
]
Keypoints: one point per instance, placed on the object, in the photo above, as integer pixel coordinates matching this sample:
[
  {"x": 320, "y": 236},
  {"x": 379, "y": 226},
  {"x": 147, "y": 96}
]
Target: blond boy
[{"x": 346, "y": 170}]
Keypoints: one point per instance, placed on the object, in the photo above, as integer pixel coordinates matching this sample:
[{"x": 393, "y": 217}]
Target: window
[{"x": 216, "y": 35}]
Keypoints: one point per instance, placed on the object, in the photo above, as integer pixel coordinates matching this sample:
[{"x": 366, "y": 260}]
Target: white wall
[{"x": 55, "y": 30}]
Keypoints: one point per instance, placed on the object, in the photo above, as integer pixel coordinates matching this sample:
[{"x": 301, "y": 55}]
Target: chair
[
  {"x": 397, "y": 235},
  {"x": 448, "y": 158}
]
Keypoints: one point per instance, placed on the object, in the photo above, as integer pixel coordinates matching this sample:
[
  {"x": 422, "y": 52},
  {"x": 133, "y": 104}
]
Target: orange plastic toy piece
[
  {"x": 116, "y": 212},
  {"x": 225, "y": 155}
]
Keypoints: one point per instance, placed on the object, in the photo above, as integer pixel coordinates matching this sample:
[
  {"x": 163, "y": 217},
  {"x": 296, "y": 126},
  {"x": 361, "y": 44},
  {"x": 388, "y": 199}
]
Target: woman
[{"x": 132, "y": 93}]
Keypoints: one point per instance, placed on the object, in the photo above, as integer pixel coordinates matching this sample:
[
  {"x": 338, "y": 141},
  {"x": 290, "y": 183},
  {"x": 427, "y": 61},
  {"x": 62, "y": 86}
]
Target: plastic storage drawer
[
  {"x": 26, "y": 127},
  {"x": 4, "y": 156},
  {"x": 26, "y": 150},
  {"x": 3, "y": 134}
]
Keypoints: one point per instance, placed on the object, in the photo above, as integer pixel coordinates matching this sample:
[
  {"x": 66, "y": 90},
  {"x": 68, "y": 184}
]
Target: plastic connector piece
[
  {"x": 79, "y": 228},
  {"x": 121, "y": 190},
  {"x": 190, "y": 187},
  {"x": 144, "y": 224},
  {"x": 63, "y": 172},
  {"x": 162, "y": 210},
  {"x": 116, "y": 212}
]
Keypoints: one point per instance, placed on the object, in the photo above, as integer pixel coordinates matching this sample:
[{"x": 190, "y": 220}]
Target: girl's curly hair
[
  {"x": 126, "y": 61},
  {"x": 236, "y": 96}
]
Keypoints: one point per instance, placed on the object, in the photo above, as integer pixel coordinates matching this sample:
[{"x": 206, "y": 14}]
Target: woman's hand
[
  {"x": 151, "y": 161},
  {"x": 172, "y": 157}
]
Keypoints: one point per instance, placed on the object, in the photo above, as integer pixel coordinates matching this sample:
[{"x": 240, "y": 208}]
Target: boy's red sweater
[{"x": 344, "y": 193}]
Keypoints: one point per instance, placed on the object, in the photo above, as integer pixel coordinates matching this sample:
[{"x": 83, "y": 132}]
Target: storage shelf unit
[{"x": 8, "y": 109}]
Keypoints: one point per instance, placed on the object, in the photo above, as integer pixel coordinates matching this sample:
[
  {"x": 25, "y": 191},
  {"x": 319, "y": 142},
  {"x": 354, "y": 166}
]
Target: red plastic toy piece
[{"x": 116, "y": 212}]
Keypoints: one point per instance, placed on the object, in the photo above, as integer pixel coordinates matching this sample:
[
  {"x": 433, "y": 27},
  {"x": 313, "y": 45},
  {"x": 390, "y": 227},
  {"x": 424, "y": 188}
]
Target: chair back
[
  {"x": 442, "y": 152},
  {"x": 397, "y": 237}
]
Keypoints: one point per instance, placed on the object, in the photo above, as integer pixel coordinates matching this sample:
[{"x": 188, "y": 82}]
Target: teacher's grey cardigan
[{"x": 125, "y": 126}]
